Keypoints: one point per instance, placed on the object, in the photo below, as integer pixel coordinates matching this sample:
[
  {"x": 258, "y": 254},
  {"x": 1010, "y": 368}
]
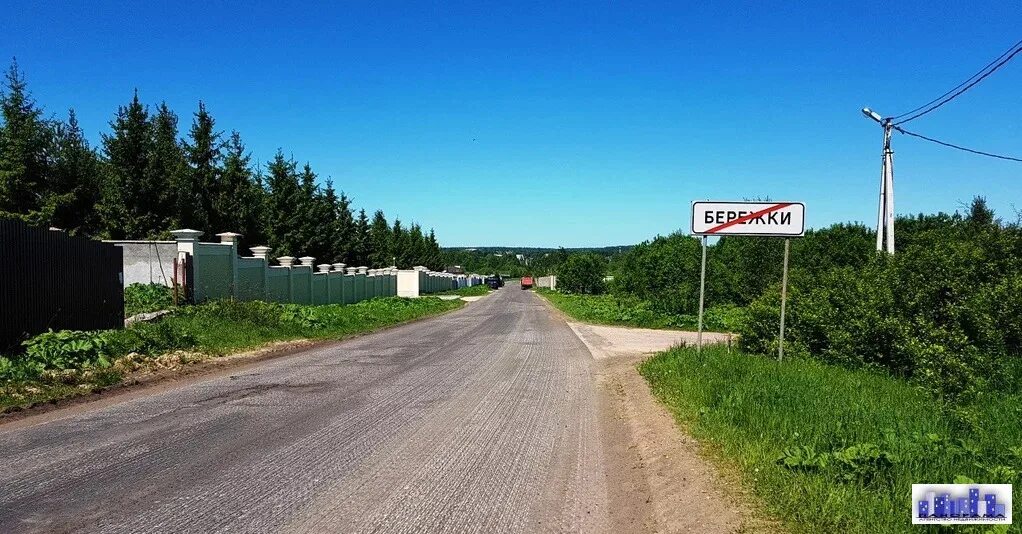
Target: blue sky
[{"x": 561, "y": 124}]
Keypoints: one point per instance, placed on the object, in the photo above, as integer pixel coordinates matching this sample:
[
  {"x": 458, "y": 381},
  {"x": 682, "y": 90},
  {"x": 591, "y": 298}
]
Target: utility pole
[{"x": 885, "y": 210}]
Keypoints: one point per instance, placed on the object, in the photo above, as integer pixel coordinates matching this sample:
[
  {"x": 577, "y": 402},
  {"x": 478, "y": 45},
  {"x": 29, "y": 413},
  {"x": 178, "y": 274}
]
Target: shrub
[
  {"x": 144, "y": 298},
  {"x": 583, "y": 273},
  {"x": 68, "y": 349}
]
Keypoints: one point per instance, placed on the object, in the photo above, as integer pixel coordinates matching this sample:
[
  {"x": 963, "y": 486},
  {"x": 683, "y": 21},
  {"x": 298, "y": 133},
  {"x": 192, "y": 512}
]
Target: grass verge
[
  {"x": 830, "y": 449},
  {"x": 629, "y": 311},
  {"x": 472, "y": 291},
  {"x": 60, "y": 365}
]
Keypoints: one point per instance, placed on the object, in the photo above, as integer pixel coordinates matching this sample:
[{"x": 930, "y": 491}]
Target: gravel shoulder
[{"x": 664, "y": 482}]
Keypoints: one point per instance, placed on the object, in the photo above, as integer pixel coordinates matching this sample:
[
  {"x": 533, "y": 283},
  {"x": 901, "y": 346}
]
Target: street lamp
[{"x": 885, "y": 211}]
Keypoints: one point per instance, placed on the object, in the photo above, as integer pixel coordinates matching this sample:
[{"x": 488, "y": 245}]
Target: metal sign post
[
  {"x": 764, "y": 219},
  {"x": 784, "y": 298},
  {"x": 702, "y": 295}
]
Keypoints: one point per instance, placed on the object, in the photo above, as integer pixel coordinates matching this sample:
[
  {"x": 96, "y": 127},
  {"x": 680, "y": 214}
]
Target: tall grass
[
  {"x": 624, "y": 310},
  {"x": 830, "y": 449}
]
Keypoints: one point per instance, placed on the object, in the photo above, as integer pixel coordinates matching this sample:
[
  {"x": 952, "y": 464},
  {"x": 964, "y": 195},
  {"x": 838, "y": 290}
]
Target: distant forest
[
  {"x": 145, "y": 179},
  {"x": 519, "y": 261}
]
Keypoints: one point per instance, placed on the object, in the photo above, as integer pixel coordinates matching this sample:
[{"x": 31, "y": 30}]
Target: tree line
[
  {"x": 942, "y": 311},
  {"x": 145, "y": 180}
]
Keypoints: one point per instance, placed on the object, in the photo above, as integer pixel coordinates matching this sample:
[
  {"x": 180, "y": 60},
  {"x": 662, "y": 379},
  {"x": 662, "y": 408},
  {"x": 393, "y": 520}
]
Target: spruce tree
[
  {"x": 129, "y": 193},
  {"x": 326, "y": 213},
  {"x": 434, "y": 254},
  {"x": 74, "y": 190},
  {"x": 26, "y": 140},
  {"x": 238, "y": 203},
  {"x": 362, "y": 243},
  {"x": 344, "y": 236},
  {"x": 202, "y": 188},
  {"x": 399, "y": 245},
  {"x": 380, "y": 241},
  {"x": 283, "y": 198},
  {"x": 168, "y": 174}
]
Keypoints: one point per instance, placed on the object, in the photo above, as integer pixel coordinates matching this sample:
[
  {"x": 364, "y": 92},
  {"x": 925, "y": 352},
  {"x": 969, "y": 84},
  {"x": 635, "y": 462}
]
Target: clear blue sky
[{"x": 556, "y": 124}]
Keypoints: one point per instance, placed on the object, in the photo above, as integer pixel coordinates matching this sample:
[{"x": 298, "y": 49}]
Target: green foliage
[
  {"x": 68, "y": 349},
  {"x": 145, "y": 298},
  {"x": 832, "y": 449},
  {"x": 150, "y": 181},
  {"x": 625, "y": 310},
  {"x": 56, "y": 360},
  {"x": 583, "y": 273}
]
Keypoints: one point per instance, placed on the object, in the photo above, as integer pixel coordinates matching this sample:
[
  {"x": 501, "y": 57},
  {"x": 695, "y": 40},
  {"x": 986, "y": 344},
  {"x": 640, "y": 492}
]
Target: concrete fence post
[
  {"x": 288, "y": 261},
  {"x": 231, "y": 238},
  {"x": 339, "y": 267},
  {"x": 307, "y": 261},
  {"x": 261, "y": 252}
]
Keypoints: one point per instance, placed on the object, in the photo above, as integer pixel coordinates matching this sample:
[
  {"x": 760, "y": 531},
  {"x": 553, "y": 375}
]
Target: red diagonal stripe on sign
[{"x": 750, "y": 216}]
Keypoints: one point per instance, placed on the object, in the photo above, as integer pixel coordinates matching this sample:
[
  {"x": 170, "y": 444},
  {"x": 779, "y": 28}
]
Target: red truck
[{"x": 526, "y": 282}]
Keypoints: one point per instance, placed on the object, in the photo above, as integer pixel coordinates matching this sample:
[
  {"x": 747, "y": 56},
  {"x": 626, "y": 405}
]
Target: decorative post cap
[
  {"x": 260, "y": 252},
  {"x": 286, "y": 261},
  {"x": 372, "y": 272},
  {"x": 229, "y": 237},
  {"x": 324, "y": 267},
  {"x": 307, "y": 260},
  {"x": 339, "y": 267},
  {"x": 186, "y": 234},
  {"x": 352, "y": 270},
  {"x": 362, "y": 269}
]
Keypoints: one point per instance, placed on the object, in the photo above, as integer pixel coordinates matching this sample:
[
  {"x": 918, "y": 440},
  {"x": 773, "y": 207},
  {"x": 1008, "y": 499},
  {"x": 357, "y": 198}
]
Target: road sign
[{"x": 779, "y": 219}]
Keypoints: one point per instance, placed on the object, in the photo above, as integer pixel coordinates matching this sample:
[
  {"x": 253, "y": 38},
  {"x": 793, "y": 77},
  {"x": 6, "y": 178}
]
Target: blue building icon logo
[{"x": 961, "y": 504}]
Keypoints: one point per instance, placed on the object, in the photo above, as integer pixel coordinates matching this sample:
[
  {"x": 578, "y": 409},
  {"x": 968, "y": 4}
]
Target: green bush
[
  {"x": 145, "y": 298},
  {"x": 68, "y": 349},
  {"x": 583, "y": 273}
]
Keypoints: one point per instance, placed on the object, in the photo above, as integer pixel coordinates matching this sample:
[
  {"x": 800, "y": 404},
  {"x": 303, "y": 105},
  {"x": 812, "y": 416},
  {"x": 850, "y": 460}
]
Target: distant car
[
  {"x": 495, "y": 282},
  {"x": 526, "y": 282}
]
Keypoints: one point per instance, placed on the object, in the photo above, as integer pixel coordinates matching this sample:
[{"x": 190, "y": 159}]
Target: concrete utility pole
[{"x": 885, "y": 211}]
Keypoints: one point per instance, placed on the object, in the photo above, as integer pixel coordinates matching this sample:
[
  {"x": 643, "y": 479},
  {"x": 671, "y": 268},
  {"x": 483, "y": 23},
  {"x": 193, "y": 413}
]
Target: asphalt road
[{"x": 482, "y": 420}]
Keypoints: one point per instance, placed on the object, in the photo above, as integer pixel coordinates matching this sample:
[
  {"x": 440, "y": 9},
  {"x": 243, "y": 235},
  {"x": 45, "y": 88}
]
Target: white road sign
[{"x": 780, "y": 219}]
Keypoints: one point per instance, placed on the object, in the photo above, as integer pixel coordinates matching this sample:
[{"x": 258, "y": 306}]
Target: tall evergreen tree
[
  {"x": 416, "y": 244},
  {"x": 26, "y": 140},
  {"x": 435, "y": 256},
  {"x": 130, "y": 191},
  {"x": 238, "y": 203},
  {"x": 399, "y": 245},
  {"x": 168, "y": 171},
  {"x": 326, "y": 215},
  {"x": 380, "y": 241},
  {"x": 362, "y": 243},
  {"x": 74, "y": 190},
  {"x": 284, "y": 195},
  {"x": 344, "y": 237},
  {"x": 200, "y": 187}
]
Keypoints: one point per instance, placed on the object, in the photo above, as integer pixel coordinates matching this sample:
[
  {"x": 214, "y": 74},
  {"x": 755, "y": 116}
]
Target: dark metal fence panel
[{"x": 49, "y": 279}]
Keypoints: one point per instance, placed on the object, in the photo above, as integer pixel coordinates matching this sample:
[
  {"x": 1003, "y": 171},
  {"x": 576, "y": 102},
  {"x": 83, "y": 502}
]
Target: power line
[
  {"x": 957, "y": 147},
  {"x": 965, "y": 88},
  {"x": 955, "y": 88}
]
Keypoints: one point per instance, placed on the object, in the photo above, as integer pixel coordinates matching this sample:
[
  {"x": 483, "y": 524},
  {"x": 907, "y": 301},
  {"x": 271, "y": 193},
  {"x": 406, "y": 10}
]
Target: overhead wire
[
  {"x": 957, "y": 147},
  {"x": 955, "y": 88},
  {"x": 962, "y": 89}
]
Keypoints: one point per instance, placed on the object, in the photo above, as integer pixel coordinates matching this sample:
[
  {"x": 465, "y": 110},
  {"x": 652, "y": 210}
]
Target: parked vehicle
[
  {"x": 526, "y": 282},
  {"x": 495, "y": 282}
]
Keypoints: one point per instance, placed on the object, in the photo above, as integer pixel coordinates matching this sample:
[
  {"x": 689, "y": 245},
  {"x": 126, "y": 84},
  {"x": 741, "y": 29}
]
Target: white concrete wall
[{"x": 148, "y": 262}]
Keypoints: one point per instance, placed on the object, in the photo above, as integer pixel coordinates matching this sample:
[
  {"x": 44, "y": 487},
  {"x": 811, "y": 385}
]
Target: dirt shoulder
[{"x": 658, "y": 479}]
